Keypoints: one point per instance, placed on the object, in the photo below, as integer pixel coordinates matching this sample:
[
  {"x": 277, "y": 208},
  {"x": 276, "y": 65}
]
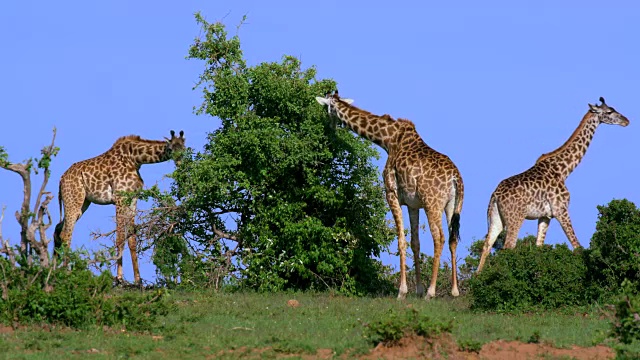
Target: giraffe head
[
  {"x": 175, "y": 146},
  {"x": 331, "y": 100},
  {"x": 607, "y": 114}
]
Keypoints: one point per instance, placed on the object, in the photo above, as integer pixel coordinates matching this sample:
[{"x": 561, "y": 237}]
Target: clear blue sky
[{"x": 492, "y": 84}]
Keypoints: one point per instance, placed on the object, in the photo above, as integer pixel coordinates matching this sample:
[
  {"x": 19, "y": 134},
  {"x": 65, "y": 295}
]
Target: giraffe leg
[
  {"x": 120, "y": 229},
  {"x": 453, "y": 244},
  {"x": 543, "y": 226},
  {"x": 124, "y": 231},
  {"x": 562, "y": 214},
  {"x": 415, "y": 247},
  {"x": 74, "y": 207},
  {"x": 560, "y": 206},
  {"x": 513, "y": 225},
  {"x": 435, "y": 225},
  {"x": 394, "y": 204},
  {"x": 133, "y": 241},
  {"x": 495, "y": 228}
]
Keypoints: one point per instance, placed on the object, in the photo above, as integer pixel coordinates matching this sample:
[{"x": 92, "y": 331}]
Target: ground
[{"x": 318, "y": 326}]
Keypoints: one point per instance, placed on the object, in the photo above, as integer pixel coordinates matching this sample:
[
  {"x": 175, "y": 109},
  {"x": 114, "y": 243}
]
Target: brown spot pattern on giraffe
[
  {"x": 101, "y": 179},
  {"x": 415, "y": 175},
  {"x": 540, "y": 192}
]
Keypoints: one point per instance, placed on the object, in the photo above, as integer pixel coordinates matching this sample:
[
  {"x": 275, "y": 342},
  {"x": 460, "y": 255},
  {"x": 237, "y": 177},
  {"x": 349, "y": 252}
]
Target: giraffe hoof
[
  {"x": 455, "y": 292},
  {"x": 430, "y": 295}
]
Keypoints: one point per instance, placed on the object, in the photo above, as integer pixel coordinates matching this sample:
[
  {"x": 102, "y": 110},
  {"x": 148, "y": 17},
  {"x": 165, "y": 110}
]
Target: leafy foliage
[
  {"x": 278, "y": 197},
  {"x": 394, "y": 326},
  {"x": 530, "y": 277},
  {"x": 470, "y": 262},
  {"x": 626, "y": 328},
  {"x": 75, "y": 298},
  {"x": 470, "y": 346},
  {"x": 626, "y": 325},
  {"x": 4, "y": 157},
  {"x": 615, "y": 248}
]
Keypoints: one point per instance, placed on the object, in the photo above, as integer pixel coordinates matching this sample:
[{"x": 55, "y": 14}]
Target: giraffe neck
[
  {"x": 149, "y": 151},
  {"x": 568, "y": 156},
  {"x": 381, "y": 130}
]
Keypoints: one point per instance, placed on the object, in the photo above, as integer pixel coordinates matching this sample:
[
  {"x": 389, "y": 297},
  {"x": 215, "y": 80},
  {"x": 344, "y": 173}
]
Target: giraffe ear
[
  {"x": 593, "y": 108},
  {"x": 322, "y": 101},
  {"x": 348, "y": 101}
]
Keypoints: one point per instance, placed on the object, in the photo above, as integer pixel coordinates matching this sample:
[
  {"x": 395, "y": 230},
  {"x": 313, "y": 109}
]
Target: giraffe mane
[
  {"x": 135, "y": 138},
  {"x": 545, "y": 156},
  {"x": 127, "y": 137},
  {"x": 365, "y": 112},
  {"x": 407, "y": 121},
  {"x": 383, "y": 116}
]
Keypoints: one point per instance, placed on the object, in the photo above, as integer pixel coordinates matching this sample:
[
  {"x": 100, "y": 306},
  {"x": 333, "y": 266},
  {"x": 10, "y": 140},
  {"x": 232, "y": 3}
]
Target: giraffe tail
[
  {"x": 56, "y": 234},
  {"x": 492, "y": 202},
  {"x": 454, "y": 230}
]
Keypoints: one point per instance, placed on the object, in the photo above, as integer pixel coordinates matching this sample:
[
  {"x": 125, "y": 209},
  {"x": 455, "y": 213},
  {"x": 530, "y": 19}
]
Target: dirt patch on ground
[
  {"x": 443, "y": 347},
  {"x": 6, "y": 329},
  {"x": 511, "y": 349},
  {"x": 417, "y": 347},
  {"x": 247, "y": 353}
]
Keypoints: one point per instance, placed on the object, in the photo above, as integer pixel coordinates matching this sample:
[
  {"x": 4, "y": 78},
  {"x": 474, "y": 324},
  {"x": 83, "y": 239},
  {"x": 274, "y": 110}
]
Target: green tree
[{"x": 278, "y": 195}]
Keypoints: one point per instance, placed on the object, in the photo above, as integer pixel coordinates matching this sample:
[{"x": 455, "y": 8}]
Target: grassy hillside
[{"x": 205, "y": 324}]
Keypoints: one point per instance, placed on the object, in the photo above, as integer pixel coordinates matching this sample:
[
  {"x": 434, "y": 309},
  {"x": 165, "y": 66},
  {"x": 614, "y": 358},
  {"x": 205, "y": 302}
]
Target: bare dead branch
[
  {"x": 96, "y": 234},
  {"x": 22, "y": 216},
  {"x": 46, "y": 152},
  {"x": 38, "y": 221}
]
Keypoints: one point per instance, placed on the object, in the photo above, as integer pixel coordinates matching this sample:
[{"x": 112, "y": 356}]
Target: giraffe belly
[
  {"x": 410, "y": 198},
  {"x": 539, "y": 211},
  {"x": 102, "y": 197}
]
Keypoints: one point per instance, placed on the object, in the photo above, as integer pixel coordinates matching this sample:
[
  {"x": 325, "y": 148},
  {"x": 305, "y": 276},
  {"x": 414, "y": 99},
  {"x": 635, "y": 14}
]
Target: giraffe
[
  {"x": 416, "y": 176},
  {"x": 100, "y": 180},
  {"x": 540, "y": 192}
]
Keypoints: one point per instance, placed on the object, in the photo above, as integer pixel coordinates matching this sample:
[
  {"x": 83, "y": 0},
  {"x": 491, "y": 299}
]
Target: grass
[{"x": 203, "y": 324}]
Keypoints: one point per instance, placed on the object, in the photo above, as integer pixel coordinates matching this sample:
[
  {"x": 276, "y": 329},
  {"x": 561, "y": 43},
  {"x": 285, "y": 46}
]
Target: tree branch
[
  {"x": 32, "y": 223},
  {"x": 223, "y": 235}
]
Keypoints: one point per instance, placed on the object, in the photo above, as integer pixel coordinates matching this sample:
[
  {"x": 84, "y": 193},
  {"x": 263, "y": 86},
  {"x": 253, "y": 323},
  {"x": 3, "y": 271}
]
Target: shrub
[
  {"x": 394, "y": 326},
  {"x": 626, "y": 327},
  {"x": 73, "y": 297},
  {"x": 530, "y": 277},
  {"x": 615, "y": 248}
]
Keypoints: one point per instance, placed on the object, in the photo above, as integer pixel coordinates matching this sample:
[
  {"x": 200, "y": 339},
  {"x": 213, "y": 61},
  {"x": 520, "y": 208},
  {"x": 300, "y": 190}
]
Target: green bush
[
  {"x": 615, "y": 248},
  {"x": 626, "y": 327},
  {"x": 530, "y": 277},
  {"x": 394, "y": 326},
  {"x": 73, "y": 297}
]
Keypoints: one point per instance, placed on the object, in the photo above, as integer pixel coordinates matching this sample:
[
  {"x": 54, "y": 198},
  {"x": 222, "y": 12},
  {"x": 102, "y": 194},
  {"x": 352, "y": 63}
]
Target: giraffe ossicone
[{"x": 102, "y": 180}]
